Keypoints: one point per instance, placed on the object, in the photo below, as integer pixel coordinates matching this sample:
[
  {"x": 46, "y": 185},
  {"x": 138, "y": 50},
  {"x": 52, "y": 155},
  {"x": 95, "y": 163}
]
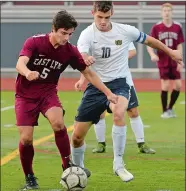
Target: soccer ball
[{"x": 74, "y": 179}]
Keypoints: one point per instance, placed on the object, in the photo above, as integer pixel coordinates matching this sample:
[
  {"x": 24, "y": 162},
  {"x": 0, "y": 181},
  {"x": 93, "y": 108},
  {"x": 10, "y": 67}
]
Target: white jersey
[
  {"x": 129, "y": 76},
  {"x": 110, "y": 49}
]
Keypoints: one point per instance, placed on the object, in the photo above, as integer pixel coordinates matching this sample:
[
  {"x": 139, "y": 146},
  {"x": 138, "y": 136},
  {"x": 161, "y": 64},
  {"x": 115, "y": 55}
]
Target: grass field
[{"x": 164, "y": 171}]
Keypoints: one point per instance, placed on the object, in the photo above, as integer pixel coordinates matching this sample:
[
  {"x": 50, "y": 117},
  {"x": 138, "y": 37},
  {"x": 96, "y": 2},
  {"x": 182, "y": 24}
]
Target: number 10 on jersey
[
  {"x": 169, "y": 42},
  {"x": 106, "y": 52}
]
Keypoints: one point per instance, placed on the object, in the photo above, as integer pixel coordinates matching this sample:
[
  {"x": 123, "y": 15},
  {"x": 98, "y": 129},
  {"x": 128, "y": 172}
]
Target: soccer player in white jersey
[
  {"x": 135, "y": 120},
  {"x": 104, "y": 45}
]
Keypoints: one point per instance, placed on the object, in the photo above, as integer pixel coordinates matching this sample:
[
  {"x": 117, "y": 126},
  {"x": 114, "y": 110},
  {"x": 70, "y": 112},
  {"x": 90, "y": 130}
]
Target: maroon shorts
[
  {"x": 169, "y": 73},
  {"x": 28, "y": 110}
]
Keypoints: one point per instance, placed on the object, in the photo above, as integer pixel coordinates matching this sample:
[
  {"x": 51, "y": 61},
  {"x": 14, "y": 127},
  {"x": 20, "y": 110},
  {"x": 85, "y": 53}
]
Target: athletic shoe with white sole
[
  {"x": 165, "y": 115},
  {"x": 171, "y": 113},
  {"x": 124, "y": 174}
]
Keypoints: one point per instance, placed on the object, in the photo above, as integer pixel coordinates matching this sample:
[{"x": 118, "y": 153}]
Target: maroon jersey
[
  {"x": 171, "y": 36},
  {"x": 49, "y": 62}
]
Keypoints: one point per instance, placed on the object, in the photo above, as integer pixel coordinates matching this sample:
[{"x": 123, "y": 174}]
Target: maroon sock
[
  {"x": 164, "y": 97},
  {"x": 26, "y": 157},
  {"x": 174, "y": 97},
  {"x": 63, "y": 144}
]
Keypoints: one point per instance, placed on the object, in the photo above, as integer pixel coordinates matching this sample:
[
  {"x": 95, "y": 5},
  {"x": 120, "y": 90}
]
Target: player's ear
[
  {"x": 53, "y": 29},
  {"x": 92, "y": 12},
  {"x": 112, "y": 12}
]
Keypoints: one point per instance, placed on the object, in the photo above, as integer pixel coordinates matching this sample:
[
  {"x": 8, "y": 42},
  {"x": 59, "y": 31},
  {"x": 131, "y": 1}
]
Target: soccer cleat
[
  {"x": 165, "y": 115},
  {"x": 87, "y": 172},
  {"x": 101, "y": 148},
  {"x": 171, "y": 113},
  {"x": 31, "y": 183},
  {"x": 146, "y": 150},
  {"x": 124, "y": 174}
]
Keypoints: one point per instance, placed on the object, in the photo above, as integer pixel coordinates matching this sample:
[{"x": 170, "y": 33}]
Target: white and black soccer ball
[{"x": 74, "y": 179}]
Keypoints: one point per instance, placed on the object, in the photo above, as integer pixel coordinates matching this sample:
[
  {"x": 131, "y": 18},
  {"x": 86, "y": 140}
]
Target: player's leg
[
  {"x": 165, "y": 84},
  {"x": 78, "y": 145},
  {"x": 122, "y": 89},
  {"x": 100, "y": 130},
  {"x": 176, "y": 77},
  {"x": 137, "y": 124},
  {"x": 119, "y": 138},
  {"x": 54, "y": 115},
  {"x": 138, "y": 129},
  {"x": 93, "y": 104},
  {"x": 174, "y": 96},
  {"x": 51, "y": 109},
  {"x": 26, "y": 116}
]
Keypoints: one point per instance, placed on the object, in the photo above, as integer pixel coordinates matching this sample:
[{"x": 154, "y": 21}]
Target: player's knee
[
  {"x": 77, "y": 140},
  {"x": 26, "y": 140},
  {"x": 57, "y": 125},
  {"x": 178, "y": 86},
  {"x": 165, "y": 86},
  {"x": 133, "y": 113},
  {"x": 118, "y": 116}
]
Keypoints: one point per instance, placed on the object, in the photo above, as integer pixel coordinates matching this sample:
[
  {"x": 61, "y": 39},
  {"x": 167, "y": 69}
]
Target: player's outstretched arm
[
  {"x": 89, "y": 60},
  {"x": 180, "y": 66},
  {"x": 154, "y": 43},
  {"x": 132, "y": 53},
  {"x": 23, "y": 69},
  {"x": 180, "y": 48},
  {"x": 92, "y": 77},
  {"x": 153, "y": 56},
  {"x": 21, "y": 65},
  {"x": 79, "y": 84}
]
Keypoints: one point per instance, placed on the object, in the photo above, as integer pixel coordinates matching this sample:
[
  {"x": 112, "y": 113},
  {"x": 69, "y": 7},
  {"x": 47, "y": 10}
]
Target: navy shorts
[
  {"x": 133, "y": 102},
  {"x": 94, "y": 102}
]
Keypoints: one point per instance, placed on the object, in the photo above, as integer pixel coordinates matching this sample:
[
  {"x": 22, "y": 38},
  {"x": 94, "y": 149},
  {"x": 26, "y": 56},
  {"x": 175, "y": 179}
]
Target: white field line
[
  {"x": 7, "y": 108},
  {"x": 182, "y": 102},
  {"x": 147, "y": 126}
]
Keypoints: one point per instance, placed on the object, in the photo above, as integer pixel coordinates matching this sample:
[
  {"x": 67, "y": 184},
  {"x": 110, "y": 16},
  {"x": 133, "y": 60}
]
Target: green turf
[{"x": 164, "y": 171}]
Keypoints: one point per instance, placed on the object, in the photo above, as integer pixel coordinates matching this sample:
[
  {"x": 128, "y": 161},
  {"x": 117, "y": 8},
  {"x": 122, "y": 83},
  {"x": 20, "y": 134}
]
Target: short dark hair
[
  {"x": 103, "y": 6},
  {"x": 65, "y": 20}
]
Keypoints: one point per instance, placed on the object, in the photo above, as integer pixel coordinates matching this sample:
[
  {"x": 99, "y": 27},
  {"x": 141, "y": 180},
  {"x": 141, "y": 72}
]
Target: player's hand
[
  {"x": 176, "y": 56},
  {"x": 180, "y": 67},
  {"x": 32, "y": 75},
  {"x": 154, "y": 58},
  {"x": 112, "y": 98},
  {"x": 78, "y": 85},
  {"x": 90, "y": 60}
]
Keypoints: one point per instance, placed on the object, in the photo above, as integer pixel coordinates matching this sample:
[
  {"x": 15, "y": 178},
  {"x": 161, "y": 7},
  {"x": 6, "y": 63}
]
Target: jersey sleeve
[
  {"x": 135, "y": 35},
  {"x": 131, "y": 46},
  {"x": 180, "y": 36},
  {"x": 83, "y": 43},
  {"x": 28, "y": 48},
  {"x": 76, "y": 61}
]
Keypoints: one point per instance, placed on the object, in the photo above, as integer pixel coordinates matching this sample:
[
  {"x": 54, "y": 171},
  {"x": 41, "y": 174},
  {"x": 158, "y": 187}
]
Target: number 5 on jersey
[{"x": 44, "y": 73}]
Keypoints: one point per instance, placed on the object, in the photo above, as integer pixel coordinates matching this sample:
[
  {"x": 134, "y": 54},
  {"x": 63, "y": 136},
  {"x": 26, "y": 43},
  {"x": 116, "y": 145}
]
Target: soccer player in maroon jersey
[
  {"x": 41, "y": 61},
  {"x": 170, "y": 33}
]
